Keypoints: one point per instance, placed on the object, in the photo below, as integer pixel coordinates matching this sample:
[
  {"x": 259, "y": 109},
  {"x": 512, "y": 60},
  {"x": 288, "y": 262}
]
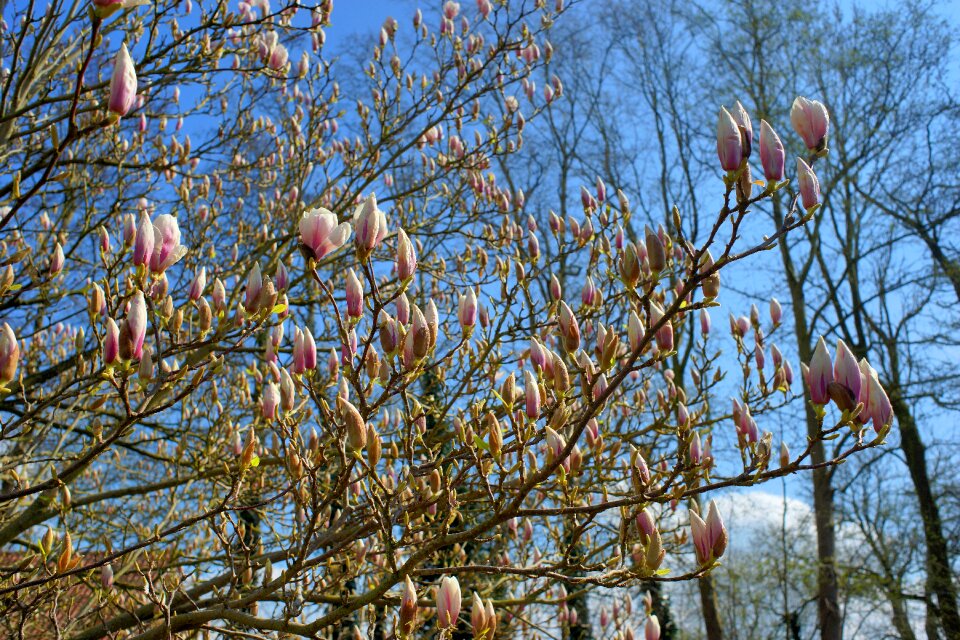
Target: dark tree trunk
[{"x": 939, "y": 574}]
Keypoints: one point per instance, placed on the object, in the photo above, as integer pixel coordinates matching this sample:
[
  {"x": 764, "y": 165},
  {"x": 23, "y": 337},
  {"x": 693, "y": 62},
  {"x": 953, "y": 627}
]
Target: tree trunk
[
  {"x": 939, "y": 574},
  {"x": 828, "y": 601},
  {"x": 711, "y": 615}
]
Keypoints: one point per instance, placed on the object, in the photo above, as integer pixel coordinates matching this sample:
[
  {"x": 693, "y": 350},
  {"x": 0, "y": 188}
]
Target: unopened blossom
[
  {"x": 270, "y": 401},
  {"x": 846, "y": 370},
  {"x": 406, "y": 257},
  {"x": 111, "y": 342},
  {"x": 198, "y": 285},
  {"x": 665, "y": 333},
  {"x": 370, "y": 226},
  {"x": 320, "y": 234},
  {"x": 772, "y": 155},
  {"x": 635, "y": 331},
  {"x": 251, "y": 300},
  {"x": 56, "y": 263},
  {"x": 810, "y": 120},
  {"x": 651, "y": 630},
  {"x": 144, "y": 242},
  {"x": 820, "y": 373},
  {"x": 123, "y": 83},
  {"x": 532, "y": 395},
  {"x": 354, "y": 295},
  {"x": 569, "y": 328},
  {"x": 808, "y": 184},
  {"x": 467, "y": 310},
  {"x": 448, "y": 602},
  {"x": 408, "y": 609},
  {"x": 710, "y": 536},
  {"x": 742, "y": 118},
  {"x": 9, "y": 354},
  {"x": 776, "y": 311},
  {"x": 729, "y": 145},
  {"x": 134, "y": 330}
]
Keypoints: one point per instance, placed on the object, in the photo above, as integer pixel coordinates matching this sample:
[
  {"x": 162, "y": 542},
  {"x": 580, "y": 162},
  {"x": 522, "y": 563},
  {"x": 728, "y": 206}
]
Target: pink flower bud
[
  {"x": 371, "y": 226},
  {"x": 406, "y": 257},
  {"x": 123, "y": 83},
  {"x": 56, "y": 263},
  {"x": 846, "y": 371},
  {"x": 104, "y": 241},
  {"x": 601, "y": 190},
  {"x": 556, "y": 292},
  {"x": 729, "y": 145},
  {"x": 467, "y": 310},
  {"x": 143, "y": 245},
  {"x": 111, "y": 342},
  {"x": 635, "y": 331},
  {"x": 772, "y": 156},
  {"x": 9, "y": 354},
  {"x": 320, "y": 233},
  {"x": 448, "y": 602},
  {"x": 106, "y": 576},
  {"x": 309, "y": 350},
  {"x": 354, "y": 295},
  {"x": 665, "y": 333},
  {"x": 716, "y": 530},
  {"x": 810, "y": 120},
  {"x": 696, "y": 449},
  {"x": 131, "y": 343},
  {"x": 281, "y": 278},
  {"x": 270, "y": 401},
  {"x": 704, "y": 322},
  {"x": 651, "y": 631},
  {"x": 776, "y": 312},
  {"x": 808, "y": 184},
  {"x": 254, "y": 284},
  {"x": 408, "y": 609},
  {"x": 745, "y": 125},
  {"x": 129, "y": 229},
  {"x": 569, "y": 328},
  {"x": 532, "y": 395},
  {"x": 820, "y": 373},
  {"x": 219, "y": 295},
  {"x": 645, "y": 523},
  {"x": 198, "y": 284}
]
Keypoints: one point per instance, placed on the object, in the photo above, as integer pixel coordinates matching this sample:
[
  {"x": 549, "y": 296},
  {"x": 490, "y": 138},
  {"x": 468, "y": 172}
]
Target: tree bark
[
  {"x": 828, "y": 600},
  {"x": 939, "y": 574},
  {"x": 711, "y": 614}
]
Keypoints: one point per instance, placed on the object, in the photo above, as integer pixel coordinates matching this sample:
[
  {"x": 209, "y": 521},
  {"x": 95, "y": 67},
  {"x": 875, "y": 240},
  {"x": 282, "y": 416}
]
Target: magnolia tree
[{"x": 283, "y": 360}]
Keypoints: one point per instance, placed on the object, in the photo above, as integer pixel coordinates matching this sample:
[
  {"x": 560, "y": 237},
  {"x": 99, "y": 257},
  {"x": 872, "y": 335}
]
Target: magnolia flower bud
[
  {"x": 772, "y": 156},
  {"x": 811, "y": 121},
  {"x": 111, "y": 343},
  {"x": 9, "y": 354},
  {"x": 354, "y": 295},
  {"x": 355, "y": 426},
  {"x": 251, "y": 301},
  {"x": 408, "y": 610},
  {"x": 198, "y": 284},
  {"x": 846, "y": 370},
  {"x": 820, "y": 373},
  {"x": 808, "y": 184},
  {"x": 56, "y": 262},
  {"x": 123, "y": 83},
  {"x": 656, "y": 256},
  {"x": 406, "y": 257},
  {"x": 729, "y": 144},
  {"x": 448, "y": 602}
]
